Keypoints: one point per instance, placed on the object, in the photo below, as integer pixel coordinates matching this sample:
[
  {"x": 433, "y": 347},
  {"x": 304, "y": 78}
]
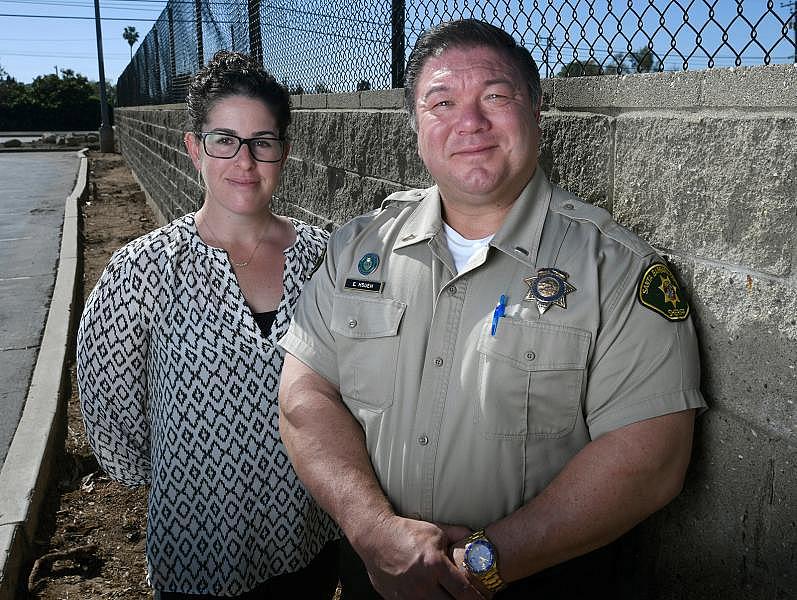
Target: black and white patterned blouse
[{"x": 178, "y": 389}]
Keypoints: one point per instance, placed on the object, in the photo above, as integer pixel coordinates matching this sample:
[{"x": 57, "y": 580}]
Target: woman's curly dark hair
[{"x": 235, "y": 74}]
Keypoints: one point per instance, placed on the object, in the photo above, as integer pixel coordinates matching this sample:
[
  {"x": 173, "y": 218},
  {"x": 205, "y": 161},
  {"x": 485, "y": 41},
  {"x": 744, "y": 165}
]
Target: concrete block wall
[
  {"x": 151, "y": 140},
  {"x": 704, "y": 166},
  {"x": 701, "y": 164},
  {"x": 349, "y": 152}
]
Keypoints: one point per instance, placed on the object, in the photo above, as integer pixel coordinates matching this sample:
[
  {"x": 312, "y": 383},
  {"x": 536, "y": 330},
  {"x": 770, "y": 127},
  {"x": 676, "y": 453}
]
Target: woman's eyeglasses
[{"x": 226, "y": 145}]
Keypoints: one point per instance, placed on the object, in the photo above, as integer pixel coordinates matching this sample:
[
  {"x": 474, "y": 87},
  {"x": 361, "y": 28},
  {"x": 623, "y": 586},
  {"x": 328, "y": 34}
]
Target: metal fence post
[
  {"x": 172, "y": 50},
  {"x": 147, "y": 80},
  {"x": 792, "y": 23},
  {"x": 157, "y": 70},
  {"x": 255, "y": 36},
  {"x": 397, "y": 44},
  {"x": 361, "y": 57},
  {"x": 200, "y": 46}
]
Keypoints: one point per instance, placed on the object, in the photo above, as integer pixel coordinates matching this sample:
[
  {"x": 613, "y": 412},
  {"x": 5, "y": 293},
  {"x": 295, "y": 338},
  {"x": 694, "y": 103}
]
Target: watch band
[{"x": 490, "y": 579}]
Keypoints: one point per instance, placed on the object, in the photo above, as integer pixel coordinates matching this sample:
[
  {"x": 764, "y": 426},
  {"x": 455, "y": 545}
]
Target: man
[{"x": 488, "y": 377}]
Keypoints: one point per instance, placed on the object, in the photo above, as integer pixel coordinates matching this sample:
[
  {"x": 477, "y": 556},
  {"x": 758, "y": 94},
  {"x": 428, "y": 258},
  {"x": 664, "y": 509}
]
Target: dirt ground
[{"x": 92, "y": 534}]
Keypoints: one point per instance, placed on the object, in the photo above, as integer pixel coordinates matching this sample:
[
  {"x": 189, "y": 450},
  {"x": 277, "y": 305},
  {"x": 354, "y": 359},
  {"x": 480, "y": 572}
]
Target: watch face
[{"x": 479, "y": 556}]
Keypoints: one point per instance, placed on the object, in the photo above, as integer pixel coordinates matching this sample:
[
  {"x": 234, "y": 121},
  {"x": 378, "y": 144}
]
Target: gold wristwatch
[{"x": 481, "y": 561}]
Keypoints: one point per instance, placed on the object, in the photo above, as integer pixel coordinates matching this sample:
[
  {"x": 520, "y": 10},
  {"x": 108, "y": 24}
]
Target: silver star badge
[{"x": 548, "y": 287}]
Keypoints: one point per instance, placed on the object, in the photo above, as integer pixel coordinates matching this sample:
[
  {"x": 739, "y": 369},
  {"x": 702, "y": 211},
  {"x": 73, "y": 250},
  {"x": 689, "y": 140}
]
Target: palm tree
[{"x": 131, "y": 35}]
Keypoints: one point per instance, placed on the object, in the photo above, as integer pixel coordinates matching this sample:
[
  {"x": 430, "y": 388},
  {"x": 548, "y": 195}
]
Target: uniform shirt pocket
[
  {"x": 366, "y": 333},
  {"x": 530, "y": 378}
]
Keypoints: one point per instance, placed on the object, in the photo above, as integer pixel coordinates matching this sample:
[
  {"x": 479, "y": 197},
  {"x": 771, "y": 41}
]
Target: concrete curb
[
  {"x": 42, "y": 149},
  {"x": 26, "y": 471}
]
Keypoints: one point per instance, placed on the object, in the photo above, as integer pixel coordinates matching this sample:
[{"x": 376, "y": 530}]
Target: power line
[
  {"x": 307, "y": 13},
  {"x": 64, "y": 4},
  {"x": 71, "y": 17},
  {"x": 81, "y": 4},
  {"x": 60, "y": 55},
  {"x": 210, "y": 22},
  {"x": 43, "y": 41}
]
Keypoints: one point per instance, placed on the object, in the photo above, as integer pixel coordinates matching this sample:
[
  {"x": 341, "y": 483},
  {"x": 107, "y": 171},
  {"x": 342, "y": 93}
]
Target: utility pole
[
  {"x": 106, "y": 131},
  {"x": 792, "y": 6}
]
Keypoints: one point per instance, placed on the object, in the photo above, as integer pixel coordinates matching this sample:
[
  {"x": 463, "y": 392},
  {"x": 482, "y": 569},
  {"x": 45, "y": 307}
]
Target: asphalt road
[{"x": 33, "y": 190}]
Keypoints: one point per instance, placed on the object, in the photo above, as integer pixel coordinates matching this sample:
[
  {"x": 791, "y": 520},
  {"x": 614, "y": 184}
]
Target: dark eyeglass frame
[{"x": 241, "y": 141}]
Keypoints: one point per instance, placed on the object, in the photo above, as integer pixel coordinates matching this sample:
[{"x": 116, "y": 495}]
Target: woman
[{"x": 178, "y": 364}]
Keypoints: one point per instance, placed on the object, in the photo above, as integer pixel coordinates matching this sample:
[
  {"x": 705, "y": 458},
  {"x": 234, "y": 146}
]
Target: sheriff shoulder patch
[{"x": 658, "y": 290}]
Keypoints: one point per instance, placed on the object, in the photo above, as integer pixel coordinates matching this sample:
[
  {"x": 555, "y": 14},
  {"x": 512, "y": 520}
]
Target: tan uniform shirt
[{"x": 463, "y": 426}]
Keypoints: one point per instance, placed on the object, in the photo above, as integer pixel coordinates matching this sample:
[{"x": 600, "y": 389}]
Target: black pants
[
  {"x": 587, "y": 576},
  {"x": 317, "y": 580}
]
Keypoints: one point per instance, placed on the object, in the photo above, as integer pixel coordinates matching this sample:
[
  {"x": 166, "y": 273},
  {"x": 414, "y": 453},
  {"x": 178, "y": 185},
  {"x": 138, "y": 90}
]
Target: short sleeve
[
  {"x": 112, "y": 345},
  {"x": 309, "y": 338},
  {"x": 644, "y": 364}
]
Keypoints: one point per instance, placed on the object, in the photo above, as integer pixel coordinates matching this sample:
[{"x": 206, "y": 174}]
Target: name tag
[{"x": 364, "y": 285}]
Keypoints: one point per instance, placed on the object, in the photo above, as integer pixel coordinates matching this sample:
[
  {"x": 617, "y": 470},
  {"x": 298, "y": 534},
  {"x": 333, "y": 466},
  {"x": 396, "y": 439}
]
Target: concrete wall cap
[
  {"x": 767, "y": 86},
  {"x": 382, "y": 98}
]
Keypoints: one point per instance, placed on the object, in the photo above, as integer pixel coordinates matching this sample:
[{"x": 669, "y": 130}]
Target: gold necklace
[{"x": 251, "y": 255}]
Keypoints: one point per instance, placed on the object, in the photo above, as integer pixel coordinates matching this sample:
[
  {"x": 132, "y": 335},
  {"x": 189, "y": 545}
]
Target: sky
[{"x": 60, "y": 34}]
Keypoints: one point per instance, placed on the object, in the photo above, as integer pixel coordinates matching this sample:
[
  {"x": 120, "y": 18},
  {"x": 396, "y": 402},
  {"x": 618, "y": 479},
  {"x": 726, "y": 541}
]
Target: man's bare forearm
[
  {"x": 405, "y": 558},
  {"x": 611, "y": 485},
  {"x": 327, "y": 448}
]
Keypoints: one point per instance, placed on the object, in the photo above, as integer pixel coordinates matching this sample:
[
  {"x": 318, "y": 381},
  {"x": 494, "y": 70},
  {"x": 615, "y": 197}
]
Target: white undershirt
[{"x": 462, "y": 249}]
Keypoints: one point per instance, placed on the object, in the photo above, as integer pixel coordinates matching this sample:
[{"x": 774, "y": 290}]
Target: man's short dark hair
[{"x": 467, "y": 33}]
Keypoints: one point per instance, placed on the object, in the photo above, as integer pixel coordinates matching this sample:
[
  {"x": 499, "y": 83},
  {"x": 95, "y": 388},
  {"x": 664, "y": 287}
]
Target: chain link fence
[{"x": 316, "y": 46}]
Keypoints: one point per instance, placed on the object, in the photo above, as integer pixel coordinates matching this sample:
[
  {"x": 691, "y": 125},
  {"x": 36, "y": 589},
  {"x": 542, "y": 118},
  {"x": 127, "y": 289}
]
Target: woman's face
[{"x": 240, "y": 185}]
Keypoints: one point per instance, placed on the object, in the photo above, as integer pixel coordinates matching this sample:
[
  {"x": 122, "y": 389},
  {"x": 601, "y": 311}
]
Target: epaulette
[
  {"x": 568, "y": 205},
  {"x": 403, "y": 196}
]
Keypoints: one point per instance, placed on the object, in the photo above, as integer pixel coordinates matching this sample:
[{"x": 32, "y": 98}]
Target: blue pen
[{"x": 498, "y": 313}]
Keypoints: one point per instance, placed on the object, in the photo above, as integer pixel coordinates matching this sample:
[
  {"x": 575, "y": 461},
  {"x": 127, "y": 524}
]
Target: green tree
[
  {"x": 51, "y": 102},
  {"x": 615, "y": 65},
  {"x": 644, "y": 60},
  {"x": 110, "y": 91},
  {"x": 131, "y": 35},
  {"x": 16, "y": 106},
  {"x": 12, "y": 93},
  {"x": 293, "y": 88},
  {"x": 577, "y": 68},
  {"x": 321, "y": 88},
  {"x": 70, "y": 91}
]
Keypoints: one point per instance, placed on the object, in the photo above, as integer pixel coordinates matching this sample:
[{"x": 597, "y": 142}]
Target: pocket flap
[
  {"x": 535, "y": 345},
  {"x": 363, "y": 317}
]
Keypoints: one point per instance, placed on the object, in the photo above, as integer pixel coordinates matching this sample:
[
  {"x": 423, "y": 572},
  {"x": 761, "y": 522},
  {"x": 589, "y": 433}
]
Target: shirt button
[
  {"x": 438, "y": 362},
  {"x": 423, "y": 440},
  {"x": 452, "y": 290},
  {"x": 530, "y": 355},
  {"x": 353, "y": 323}
]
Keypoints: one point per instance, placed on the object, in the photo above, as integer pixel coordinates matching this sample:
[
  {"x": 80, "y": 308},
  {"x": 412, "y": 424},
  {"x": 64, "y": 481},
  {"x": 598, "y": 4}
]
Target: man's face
[{"x": 478, "y": 133}]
